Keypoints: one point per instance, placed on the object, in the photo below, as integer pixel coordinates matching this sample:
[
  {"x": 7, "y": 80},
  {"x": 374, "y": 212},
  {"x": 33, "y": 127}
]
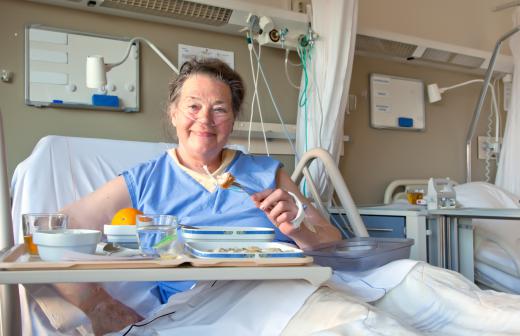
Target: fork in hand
[{"x": 243, "y": 188}]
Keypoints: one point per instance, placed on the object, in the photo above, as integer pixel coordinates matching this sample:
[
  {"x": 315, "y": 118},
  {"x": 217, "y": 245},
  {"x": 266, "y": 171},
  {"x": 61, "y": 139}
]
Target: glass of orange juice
[
  {"x": 413, "y": 195},
  {"x": 32, "y": 222}
]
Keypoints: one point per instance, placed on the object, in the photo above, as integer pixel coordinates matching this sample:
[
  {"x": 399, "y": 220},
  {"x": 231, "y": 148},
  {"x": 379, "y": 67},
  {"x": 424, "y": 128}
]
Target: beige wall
[
  {"x": 468, "y": 23},
  {"x": 372, "y": 159},
  {"x": 376, "y": 157},
  {"x": 25, "y": 125}
]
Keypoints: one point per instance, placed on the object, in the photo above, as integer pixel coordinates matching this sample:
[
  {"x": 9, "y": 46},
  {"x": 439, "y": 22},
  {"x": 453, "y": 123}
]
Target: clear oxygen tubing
[
  {"x": 304, "y": 54},
  {"x": 306, "y": 172},
  {"x": 284, "y": 127},
  {"x": 256, "y": 99},
  {"x": 320, "y": 103},
  {"x": 287, "y": 71}
]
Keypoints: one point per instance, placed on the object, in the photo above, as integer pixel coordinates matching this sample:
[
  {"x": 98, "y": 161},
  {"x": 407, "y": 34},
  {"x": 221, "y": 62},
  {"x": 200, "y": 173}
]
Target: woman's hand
[
  {"x": 279, "y": 207},
  {"x": 106, "y": 314},
  {"x": 110, "y": 315}
]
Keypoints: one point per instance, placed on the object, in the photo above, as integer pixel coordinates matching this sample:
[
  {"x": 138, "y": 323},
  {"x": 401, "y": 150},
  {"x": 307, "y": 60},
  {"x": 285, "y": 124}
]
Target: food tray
[
  {"x": 17, "y": 259},
  {"x": 242, "y": 250},
  {"x": 219, "y": 233},
  {"x": 359, "y": 254}
]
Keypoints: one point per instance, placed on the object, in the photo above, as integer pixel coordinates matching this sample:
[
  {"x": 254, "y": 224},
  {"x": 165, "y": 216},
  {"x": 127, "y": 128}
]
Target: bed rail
[{"x": 339, "y": 184}]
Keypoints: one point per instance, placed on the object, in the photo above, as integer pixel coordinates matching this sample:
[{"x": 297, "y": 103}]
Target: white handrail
[{"x": 338, "y": 182}]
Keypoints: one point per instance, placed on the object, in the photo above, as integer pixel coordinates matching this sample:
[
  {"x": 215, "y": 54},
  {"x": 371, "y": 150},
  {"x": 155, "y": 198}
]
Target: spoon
[{"x": 110, "y": 248}]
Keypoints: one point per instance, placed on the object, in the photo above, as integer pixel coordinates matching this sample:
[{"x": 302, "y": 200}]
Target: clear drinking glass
[
  {"x": 32, "y": 222},
  {"x": 152, "y": 229}
]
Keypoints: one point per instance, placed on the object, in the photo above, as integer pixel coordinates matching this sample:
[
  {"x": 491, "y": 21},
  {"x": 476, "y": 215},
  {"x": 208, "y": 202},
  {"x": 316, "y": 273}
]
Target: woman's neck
[{"x": 197, "y": 162}]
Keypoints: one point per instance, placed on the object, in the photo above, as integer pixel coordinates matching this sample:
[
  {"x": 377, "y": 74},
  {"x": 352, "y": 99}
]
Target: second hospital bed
[{"x": 497, "y": 242}]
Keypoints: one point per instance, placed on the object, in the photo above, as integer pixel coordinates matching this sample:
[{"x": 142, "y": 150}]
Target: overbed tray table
[{"x": 12, "y": 271}]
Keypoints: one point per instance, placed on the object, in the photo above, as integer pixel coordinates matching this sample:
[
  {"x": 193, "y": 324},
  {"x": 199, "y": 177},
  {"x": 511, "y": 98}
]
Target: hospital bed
[
  {"x": 64, "y": 169},
  {"x": 61, "y": 170},
  {"x": 497, "y": 229}
]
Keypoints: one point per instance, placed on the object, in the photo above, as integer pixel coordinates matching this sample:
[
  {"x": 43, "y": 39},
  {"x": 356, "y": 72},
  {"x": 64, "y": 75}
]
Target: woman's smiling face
[{"x": 203, "y": 116}]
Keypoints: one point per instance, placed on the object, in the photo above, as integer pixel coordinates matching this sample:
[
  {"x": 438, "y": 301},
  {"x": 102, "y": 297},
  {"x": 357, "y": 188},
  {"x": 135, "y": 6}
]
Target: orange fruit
[{"x": 125, "y": 216}]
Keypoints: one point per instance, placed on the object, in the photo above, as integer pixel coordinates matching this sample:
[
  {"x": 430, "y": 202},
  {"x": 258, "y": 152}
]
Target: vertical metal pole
[
  {"x": 9, "y": 302},
  {"x": 448, "y": 243},
  {"x": 455, "y": 249},
  {"x": 482, "y": 97},
  {"x": 441, "y": 243}
]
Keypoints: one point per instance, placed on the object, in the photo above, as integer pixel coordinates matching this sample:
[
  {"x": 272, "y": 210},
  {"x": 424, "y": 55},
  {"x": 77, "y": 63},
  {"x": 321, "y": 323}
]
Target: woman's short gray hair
[{"x": 214, "y": 68}]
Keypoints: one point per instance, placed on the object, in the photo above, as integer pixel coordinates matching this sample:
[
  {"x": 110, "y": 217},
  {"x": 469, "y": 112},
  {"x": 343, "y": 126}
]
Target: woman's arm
[
  {"x": 281, "y": 209},
  {"x": 91, "y": 212},
  {"x": 98, "y": 207}
]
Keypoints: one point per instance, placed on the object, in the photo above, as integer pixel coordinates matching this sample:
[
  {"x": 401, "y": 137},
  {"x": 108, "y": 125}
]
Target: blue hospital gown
[{"x": 160, "y": 186}]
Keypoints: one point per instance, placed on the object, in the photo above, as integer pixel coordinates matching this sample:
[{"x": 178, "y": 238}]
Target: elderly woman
[{"x": 204, "y": 102}]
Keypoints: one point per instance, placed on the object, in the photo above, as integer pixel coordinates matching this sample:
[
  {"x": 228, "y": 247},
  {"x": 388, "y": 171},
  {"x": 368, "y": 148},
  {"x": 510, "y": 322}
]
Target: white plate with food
[
  {"x": 227, "y": 249},
  {"x": 218, "y": 233}
]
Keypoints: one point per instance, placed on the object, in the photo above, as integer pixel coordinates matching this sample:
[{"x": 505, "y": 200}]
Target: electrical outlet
[{"x": 488, "y": 144}]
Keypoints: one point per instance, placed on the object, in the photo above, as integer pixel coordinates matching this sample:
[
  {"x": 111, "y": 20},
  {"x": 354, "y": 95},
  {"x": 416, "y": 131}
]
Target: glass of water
[{"x": 153, "y": 229}]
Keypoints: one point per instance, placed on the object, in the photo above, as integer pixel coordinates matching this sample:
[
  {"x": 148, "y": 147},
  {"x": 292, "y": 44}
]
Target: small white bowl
[
  {"x": 52, "y": 244},
  {"x": 120, "y": 233}
]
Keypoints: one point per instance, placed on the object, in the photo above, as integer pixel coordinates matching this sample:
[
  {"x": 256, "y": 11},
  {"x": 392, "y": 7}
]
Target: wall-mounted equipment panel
[
  {"x": 55, "y": 70},
  {"x": 224, "y": 16}
]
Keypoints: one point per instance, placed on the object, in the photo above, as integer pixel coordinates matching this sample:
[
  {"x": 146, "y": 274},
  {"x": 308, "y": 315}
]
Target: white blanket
[
  {"x": 429, "y": 300},
  {"x": 225, "y": 308},
  {"x": 436, "y": 301}
]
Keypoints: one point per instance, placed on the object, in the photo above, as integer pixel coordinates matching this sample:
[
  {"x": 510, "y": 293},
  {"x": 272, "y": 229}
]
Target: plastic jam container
[{"x": 360, "y": 254}]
